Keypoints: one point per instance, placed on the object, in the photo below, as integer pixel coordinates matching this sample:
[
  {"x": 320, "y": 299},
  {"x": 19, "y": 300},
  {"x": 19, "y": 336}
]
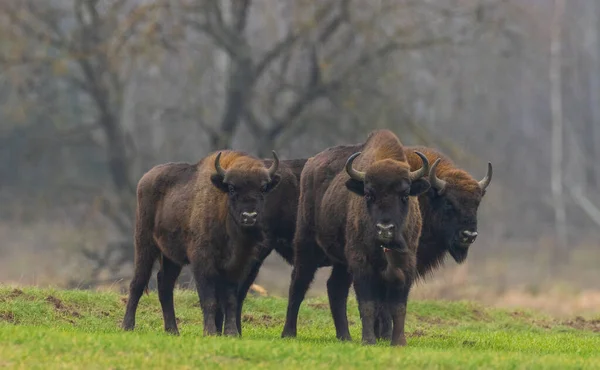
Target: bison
[
  {"x": 367, "y": 223},
  {"x": 208, "y": 215},
  {"x": 442, "y": 231}
]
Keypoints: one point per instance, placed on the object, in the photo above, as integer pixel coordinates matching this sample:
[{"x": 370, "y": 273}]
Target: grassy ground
[{"x": 45, "y": 328}]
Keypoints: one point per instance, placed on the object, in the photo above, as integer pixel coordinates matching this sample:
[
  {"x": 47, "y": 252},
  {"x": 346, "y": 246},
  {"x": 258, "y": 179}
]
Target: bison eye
[
  {"x": 231, "y": 189},
  {"x": 369, "y": 196},
  {"x": 448, "y": 207},
  {"x": 264, "y": 188},
  {"x": 405, "y": 198}
]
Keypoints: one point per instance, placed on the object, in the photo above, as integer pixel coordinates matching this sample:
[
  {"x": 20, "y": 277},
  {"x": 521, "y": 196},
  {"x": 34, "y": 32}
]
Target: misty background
[{"x": 93, "y": 93}]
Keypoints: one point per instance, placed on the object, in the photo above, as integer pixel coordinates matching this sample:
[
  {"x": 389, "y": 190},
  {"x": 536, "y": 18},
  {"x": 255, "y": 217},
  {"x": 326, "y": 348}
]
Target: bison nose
[
  {"x": 385, "y": 231},
  {"x": 249, "y": 218},
  {"x": 468, "y": 237}
]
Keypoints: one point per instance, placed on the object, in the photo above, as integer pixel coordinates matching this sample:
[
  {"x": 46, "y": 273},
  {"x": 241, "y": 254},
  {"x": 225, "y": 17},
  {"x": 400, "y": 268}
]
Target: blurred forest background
[{"x": 93, "y": 93}]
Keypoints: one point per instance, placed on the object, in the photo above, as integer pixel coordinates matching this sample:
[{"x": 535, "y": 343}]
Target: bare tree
[{"x": 91, "y": 39}]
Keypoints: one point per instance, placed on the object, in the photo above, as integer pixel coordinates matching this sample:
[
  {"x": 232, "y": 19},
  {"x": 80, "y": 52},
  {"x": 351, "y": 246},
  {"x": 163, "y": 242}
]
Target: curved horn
[
  {"x": 437, "y": 183},
  {"x": 483, "y": 184},
  {"x": 354, "y": 174},
  {"x": 275, "y": 166},
  {"x": 423, "y": 171},
  {"x": 218, "y": 167}
]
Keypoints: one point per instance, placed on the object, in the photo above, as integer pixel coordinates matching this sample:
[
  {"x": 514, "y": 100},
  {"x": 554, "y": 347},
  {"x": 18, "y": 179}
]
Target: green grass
[{"x": 47, "y": 328}]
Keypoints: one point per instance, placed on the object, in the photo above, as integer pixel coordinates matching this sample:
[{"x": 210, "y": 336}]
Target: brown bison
[
  {"x": 446, "y": 216},
  {"x": 207, "y": 215},
  {"x": 367, "y": 223}
]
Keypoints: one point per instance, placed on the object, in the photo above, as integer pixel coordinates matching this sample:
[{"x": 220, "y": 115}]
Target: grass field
[{"x": 46, "y": 328}]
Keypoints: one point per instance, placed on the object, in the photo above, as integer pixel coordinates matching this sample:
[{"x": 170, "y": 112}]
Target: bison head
[
  {"x": 386, "y": 186},
  {"x": 246, "y": 189},
  {"x": 454, "y": 203}
]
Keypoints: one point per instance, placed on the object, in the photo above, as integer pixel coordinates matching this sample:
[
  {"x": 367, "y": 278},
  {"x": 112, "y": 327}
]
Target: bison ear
[
  {"x": 419, "y": 186},
  {"x": 355, "y": 186},
  {"x": 217, "y": 181},
  {"x": 273, "y": 183}
]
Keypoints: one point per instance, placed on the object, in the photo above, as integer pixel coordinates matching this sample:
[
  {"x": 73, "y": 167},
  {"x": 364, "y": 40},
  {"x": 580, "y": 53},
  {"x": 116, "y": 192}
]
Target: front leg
[
  {"x": 397, "y": 302},
  {"x": 365, "y": 288},
  {"x": 227, "y": 296},
  {"x": 383, "y": 322},
  {"x": 206, "y": 286}
]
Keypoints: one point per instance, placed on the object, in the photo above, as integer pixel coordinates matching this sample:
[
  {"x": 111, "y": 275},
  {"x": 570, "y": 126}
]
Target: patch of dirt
[
  {"x": 480, "y": 315},
  {"x": 430, "y": 320},
  {"x": 60, "y": 307},
  {"x": 12, "y": 295},
  {"x": 417, "y": 334},
  {"x": 124, "y": 300},
  {"x": 8, "y": 317},
  {"x": 319, "y": 306},
  {"x": 580, "y": 323},
  {"x": 263, "y": 319},
  {"x": 517, "y": 314}
]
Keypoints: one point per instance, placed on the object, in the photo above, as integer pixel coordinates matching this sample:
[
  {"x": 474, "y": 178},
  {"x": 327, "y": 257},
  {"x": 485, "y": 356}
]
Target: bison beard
[
  {"x": 207, "y": 215},
  {"x": 385, "y": 206}
]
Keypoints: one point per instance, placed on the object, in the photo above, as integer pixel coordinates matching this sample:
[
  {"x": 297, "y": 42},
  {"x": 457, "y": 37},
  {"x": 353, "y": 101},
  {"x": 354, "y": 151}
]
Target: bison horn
[
  {"x": 354, "y": 174},
  {"x": 275, "y": 165},
  {"x": 218, "y": 167},
  {"x": 483, "y": 184},
  {"x": 423, "y": 171},
  {"x": 437, "y": 183}
]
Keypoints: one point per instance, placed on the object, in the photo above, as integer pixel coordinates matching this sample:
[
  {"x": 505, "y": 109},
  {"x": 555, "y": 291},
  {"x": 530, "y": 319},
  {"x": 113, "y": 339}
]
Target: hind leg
[
  {"x": 144, "y": 261},
  {"x": 166, "y": 277}
]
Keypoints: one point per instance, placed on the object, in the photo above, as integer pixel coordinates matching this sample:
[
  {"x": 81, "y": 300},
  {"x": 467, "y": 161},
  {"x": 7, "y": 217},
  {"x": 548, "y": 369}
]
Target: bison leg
[
  {"x": 227, "y": 298},
  {"x": 383, "y": 324},
  {"x": 397, "y": 301},
  {"x": 166, "y": 278},
  {"x": 263, "y": 253},
  {"x": 338, "y": 287},
  {"x": 144, "y": 261},
  {"x": 383, "y": 320},
  {"x": 206, "y": 286},
  {"x": 302, "y": 276},
  {"x": 366, "y": 292}
]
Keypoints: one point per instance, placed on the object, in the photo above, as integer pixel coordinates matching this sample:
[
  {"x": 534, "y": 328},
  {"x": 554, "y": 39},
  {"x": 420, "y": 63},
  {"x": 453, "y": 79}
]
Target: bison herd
[{"x": 382, "y": 215}]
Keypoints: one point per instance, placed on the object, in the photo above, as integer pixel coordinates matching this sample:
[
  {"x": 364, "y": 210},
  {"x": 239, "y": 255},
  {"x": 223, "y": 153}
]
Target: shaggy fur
[{"x": 191, "y": 214}]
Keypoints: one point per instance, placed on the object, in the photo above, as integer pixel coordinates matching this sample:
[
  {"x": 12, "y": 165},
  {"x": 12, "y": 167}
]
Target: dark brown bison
[
  {"x": 446, "y": 215},
  {"x": 208, "y": 215},
  {"x": 366, "y": 221}
]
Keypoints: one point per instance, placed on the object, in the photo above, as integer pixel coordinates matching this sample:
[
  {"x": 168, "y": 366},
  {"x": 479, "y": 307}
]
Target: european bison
[
  {"x": 207, "y": 215},
  {"x": 442, "y": 230},
  {"x": 367, "y": 222}
]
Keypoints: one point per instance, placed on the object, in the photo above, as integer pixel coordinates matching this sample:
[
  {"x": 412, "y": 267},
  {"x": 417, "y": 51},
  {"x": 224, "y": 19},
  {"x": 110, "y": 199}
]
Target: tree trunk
[{"x": 556, "y": 105}]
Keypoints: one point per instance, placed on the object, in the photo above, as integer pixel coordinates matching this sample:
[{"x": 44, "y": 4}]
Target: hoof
[{"x": 288, "y": 334}]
